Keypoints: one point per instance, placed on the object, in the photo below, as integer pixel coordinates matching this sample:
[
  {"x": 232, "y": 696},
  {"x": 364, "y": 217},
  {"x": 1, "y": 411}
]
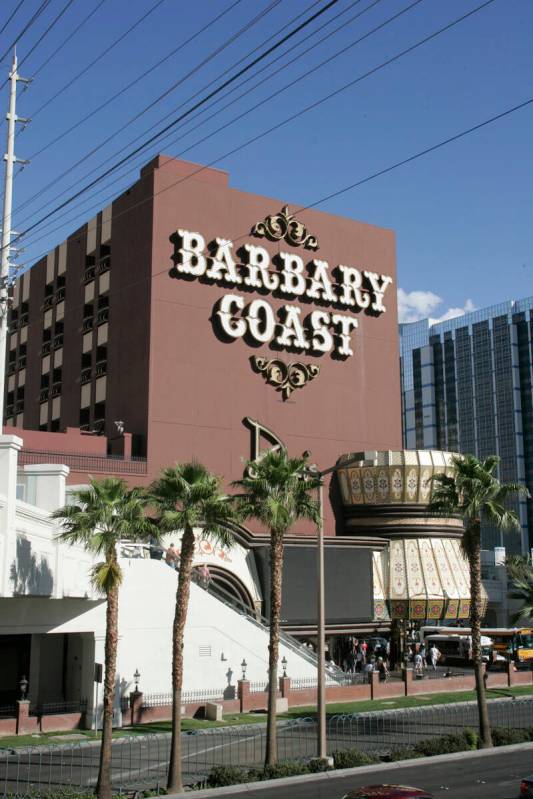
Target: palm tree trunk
[
  {"x": 474, "y": 535},
  {"x": 276, "y": 573},
  {"x": 174, "y": 782},
  {"x": 103, "y": 787}
]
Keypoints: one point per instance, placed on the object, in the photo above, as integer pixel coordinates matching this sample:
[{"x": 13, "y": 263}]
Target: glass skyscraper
[{"x": 467, "y": 387}]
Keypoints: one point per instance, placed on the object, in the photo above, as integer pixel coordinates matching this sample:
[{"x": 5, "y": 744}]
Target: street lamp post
[
  {"x": 321, "y": 628},
  {"x": 23, "y": 684},
  {"x": 321, "y": 610}
]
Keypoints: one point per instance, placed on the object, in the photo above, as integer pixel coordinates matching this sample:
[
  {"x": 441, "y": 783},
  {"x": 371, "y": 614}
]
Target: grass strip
[{"x": 236, "y": 719}]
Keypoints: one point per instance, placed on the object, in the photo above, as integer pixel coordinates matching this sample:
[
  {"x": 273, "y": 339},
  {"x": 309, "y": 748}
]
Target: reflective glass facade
[{"x": 467, "y": 387}]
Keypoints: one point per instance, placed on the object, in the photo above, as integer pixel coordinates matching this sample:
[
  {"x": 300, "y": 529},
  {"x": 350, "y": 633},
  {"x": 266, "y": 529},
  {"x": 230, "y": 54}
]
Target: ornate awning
[{"x": 421, "y": 579}]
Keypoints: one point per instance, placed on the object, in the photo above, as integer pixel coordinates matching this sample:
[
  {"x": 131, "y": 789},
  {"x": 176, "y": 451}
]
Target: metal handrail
[
  {"x": 261, "y": 621},
  {"x": 255, "y": 616}
]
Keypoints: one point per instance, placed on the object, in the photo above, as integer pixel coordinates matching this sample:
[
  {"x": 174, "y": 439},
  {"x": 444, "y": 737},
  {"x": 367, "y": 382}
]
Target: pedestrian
[
  {"x": 172, "y": 557},
  {"x": 350, "y": 662},
  {"x": 434, "y": 656},
  {"x": 383, "y": 670},
  {"x": 359, "y": 660},
  {"x": 423, "y": 655},
  {"x": 418, "y": 665},
  {"x": 205, "y": 576},
  {"x": 369, "y": 668}
]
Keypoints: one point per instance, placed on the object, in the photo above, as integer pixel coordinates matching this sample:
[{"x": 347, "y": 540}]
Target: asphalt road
[{"x": 496, "y": 776}]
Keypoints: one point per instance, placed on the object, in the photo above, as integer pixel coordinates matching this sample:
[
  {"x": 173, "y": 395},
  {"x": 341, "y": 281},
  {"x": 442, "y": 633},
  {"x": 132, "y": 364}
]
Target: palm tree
[
  {"x": 188, "y": 497},
  {"x": 523, "y": 591},
  {"x": 100, "y": 517},
  {"x": 474, "y": 493},
  {"x": 519, "y": 568},
  {"x": 277, "y": 493}
]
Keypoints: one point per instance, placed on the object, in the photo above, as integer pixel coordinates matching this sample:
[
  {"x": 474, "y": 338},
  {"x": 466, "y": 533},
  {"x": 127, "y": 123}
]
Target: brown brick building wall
[{"x": 130, "y": 340}]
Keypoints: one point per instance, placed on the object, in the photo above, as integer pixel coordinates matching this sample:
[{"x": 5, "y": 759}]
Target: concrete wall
[
  {"x": 32, "y": 561},
  {"x": 216, "y": 637}
]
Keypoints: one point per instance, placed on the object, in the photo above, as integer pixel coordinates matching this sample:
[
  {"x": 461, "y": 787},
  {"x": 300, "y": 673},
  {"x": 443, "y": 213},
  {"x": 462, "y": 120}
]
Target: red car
[{"x": 388, "y": 792}]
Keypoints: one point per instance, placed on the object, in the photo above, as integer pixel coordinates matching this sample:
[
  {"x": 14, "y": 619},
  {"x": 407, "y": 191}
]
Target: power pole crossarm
[{"x": 10, "y": 160}]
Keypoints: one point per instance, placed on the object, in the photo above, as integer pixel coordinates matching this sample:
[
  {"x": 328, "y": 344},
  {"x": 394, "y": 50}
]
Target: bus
[
  {"x": 510, "y": 643},
  {"x": 515, "y": 644},
  {"x": 458, "y": 648}
]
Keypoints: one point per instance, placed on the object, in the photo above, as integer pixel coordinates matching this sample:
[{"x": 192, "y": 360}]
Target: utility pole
[{"x": 10, "y": 160}]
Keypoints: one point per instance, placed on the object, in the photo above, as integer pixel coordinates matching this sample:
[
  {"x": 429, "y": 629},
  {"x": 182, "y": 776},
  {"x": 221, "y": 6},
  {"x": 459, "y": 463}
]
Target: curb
[{"x": 348, "y": 772}]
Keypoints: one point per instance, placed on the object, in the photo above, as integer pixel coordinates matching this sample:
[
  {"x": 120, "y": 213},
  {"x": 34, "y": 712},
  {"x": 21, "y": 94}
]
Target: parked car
[
  {"x": 526, "y": 788},
  {"x": 389, "y": 792}
]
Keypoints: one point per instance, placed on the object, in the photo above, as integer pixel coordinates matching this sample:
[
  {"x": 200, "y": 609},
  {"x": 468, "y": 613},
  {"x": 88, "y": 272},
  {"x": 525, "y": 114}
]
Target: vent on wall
[{"x": 205, "y": 650}]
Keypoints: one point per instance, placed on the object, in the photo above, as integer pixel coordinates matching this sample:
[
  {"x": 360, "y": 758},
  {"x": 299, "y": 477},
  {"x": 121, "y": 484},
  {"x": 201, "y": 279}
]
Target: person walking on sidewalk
[{"x": 434, "y": 656}]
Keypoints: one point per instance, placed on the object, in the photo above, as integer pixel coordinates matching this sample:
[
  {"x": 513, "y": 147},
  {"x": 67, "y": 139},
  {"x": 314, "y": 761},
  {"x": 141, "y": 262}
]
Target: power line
[
  {"x": 271, "y": 5},
  {"x": 172, "y": 124},
  {"x": 68, "y": 38},
  {"x": 315, "y": 104},
  {"x": 43, "y": 35},
  {"x": 99, "y": 57},
  {"x": 350, "y": 187},
  {"x": 26, "y": 27},
  {"x": 143, "y": 75},
  {"x": 269, "y": 77},
  {"x": 420, "y": 154},
  {"x": 8, "y": 20},
  {"x": 109, "y": 138}
]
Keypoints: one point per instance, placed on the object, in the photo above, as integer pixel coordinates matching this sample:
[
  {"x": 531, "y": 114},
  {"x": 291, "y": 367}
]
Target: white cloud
[
  {"x": 451, "y": 313},
  {"x": 415, "y": 305}
]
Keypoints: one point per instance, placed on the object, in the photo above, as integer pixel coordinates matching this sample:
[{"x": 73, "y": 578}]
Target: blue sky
[{"x": 462, "y": 216}]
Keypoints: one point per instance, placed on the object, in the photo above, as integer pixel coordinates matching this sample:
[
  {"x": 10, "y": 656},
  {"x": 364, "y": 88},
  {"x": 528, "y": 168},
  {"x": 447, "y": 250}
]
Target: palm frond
[
  {"x": 106, "y": 576},
  {"x": 500, "y": 516},
  {"x": 523, "y": 593},
  {"x": 491, "y": 463},
  {"x": 445, "y": 499},
  {"x": 104, "y": 514},
  {"x": 277, "y": 491},
  {"x": 474, "y": 492},
  {"x": 189, "y": 496}
]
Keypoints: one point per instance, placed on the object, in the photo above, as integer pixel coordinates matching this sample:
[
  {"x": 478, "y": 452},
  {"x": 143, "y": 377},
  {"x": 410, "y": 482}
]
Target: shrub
[
  {"x": 289, "y": 768},
  {"x": 502, "y": 736},
  {"x": 227, "y": 775},
  {"x": 63, "y": 793},
  {"x": 454, "y": 742},
  {"x": 404, "y": 753},
  {"x": 349, "y": 758},
  {"x": 316, "y": 766},
  {"x": 471, "y": 737}
]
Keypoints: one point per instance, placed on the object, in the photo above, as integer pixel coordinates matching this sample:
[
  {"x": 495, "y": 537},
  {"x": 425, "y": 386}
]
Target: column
[
  {"x": 9, "y": 449},
  {"x": 23, "y": 714},
  {"x": 243, "y": 692},
  {"x": 285, "y": 687}
]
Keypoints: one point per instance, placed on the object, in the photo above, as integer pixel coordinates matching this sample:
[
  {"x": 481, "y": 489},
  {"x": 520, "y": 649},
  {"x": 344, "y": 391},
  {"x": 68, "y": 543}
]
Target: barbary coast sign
[{"x": 342, "y": 289}]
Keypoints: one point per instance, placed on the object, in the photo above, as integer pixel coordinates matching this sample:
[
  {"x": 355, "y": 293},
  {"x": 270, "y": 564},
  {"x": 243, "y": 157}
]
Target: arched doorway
[{"x": 230, "y": 588}]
